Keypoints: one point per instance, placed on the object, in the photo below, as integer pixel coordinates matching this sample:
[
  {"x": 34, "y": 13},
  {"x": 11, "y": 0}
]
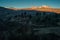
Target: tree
[
  {"x": 44, "y": 13},
  {"x": 15, "y": 16},
  {"x": 30, "y": 16},
  {"x": 22, "y": 15},
  {"x": 25, "y": 14},
  {"x": 37, "y": 14}
]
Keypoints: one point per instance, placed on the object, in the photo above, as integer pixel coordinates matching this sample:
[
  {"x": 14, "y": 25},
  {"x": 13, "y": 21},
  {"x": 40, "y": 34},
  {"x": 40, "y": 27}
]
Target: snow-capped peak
[{"x": 44, "y": 6}]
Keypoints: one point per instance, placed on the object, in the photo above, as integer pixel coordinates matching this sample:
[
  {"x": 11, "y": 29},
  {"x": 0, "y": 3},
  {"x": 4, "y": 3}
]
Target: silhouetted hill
[{"x": 29, "y": 25}]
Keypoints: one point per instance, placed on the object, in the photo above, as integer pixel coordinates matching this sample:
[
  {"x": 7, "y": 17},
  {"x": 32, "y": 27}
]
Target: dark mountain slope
[{"x": 23, "y": 25}]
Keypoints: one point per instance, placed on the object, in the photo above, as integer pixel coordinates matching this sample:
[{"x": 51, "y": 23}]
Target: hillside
[{"x": 29, "y": 24}]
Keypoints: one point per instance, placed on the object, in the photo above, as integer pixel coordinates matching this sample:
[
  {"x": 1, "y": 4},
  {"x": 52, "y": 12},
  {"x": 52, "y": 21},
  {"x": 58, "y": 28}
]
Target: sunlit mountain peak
[{"x": 44, "y": 6}]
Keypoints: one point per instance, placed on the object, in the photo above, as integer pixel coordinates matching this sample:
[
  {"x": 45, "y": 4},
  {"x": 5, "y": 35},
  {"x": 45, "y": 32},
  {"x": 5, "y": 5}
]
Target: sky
[{"x": 29, "y": 3}]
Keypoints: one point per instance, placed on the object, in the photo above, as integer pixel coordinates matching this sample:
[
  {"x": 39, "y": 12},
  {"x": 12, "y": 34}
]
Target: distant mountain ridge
[{"x": 41, "y": 8}]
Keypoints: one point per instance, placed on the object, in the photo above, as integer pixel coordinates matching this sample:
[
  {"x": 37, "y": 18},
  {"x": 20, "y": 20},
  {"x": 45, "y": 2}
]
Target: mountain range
[
  {"x": 35, "y": 23},
  {"x": 43, "y": 8}
]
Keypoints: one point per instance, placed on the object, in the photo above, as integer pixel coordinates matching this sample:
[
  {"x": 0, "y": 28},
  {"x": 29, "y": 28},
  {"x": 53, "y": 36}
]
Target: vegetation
[{"x": 21, "y": 26}]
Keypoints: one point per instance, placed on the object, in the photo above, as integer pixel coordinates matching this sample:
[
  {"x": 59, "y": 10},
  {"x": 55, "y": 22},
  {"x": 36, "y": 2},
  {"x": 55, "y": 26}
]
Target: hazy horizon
[{"x": 29, "y": 3}]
